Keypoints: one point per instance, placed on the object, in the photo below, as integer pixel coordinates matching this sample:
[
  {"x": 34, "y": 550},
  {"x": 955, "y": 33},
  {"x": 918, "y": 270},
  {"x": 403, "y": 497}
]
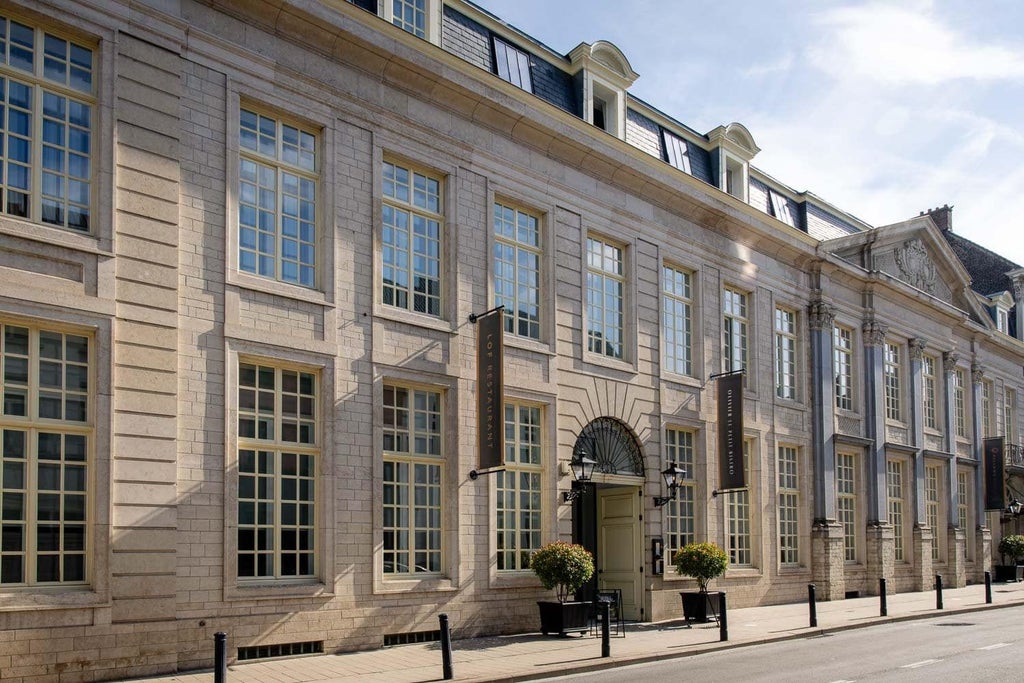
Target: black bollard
[
  {"x": 883, "y": 608},
  {"x": 446, "y": 648},
  {"x": 812, "y": 605},
  {"x": 988, "y": 588},
  {"x": 606, "y": 641},
  {"x": 220, "y": 657},
  {"x": 723, "y": 618},
  {"x": 938, "y": 591}
]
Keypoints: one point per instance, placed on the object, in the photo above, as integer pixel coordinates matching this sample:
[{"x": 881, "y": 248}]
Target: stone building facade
[{"x": 240, "y": 244}]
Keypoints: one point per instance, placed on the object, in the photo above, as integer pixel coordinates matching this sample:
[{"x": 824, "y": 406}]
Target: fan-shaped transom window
[{"x": 612, "y": 444}]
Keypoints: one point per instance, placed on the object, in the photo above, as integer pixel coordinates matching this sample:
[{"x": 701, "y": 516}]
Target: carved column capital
[
  {"x": 821, "y": 315},
  {"x": 949, "y": 360},
  {"x": 874, "y": 332},
  {"x": 1018, "y": 289},
  {"x": 917, "y": 347},
  {"x": 977, "y": 373}
]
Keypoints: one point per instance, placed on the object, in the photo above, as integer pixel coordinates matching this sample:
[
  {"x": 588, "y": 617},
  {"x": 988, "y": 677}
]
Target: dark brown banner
[
  {"x": 995, "y": 486},
  {"x": 730, "y": 432},
  {"x": 490, "y": 384}
]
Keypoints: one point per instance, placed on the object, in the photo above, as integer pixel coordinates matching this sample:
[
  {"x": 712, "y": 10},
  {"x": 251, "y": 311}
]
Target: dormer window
[
  {"x": 730, "y": 160},
  {"x": 676, "y": 152},
  {"x": 512, "y": 65},
  {"x": 736, "y": 177},
  {"x": 422, "y": 18},
  {"x": 603, "y": 75},
  {"x": 780, "y": 208},
  {"x": 1001, "y": 305}
]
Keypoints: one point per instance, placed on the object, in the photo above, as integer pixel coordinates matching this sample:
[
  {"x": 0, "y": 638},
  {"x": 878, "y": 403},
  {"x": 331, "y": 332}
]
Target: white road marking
[
  {"x": 916, "y": 665},
  {"x": 993, "y": 647},
  {"x": 842, "y": 681}
]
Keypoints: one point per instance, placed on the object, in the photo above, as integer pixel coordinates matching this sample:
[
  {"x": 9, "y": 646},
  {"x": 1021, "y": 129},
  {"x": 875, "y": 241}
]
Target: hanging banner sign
[
  {"x": 993, "y": 460},
  {"x": 490, "y": 384},
  {"x": 730, "y": 432}
]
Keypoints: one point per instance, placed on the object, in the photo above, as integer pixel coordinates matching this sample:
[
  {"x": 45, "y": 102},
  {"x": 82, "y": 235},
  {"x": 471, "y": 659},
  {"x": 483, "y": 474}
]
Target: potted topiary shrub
[
  {"x": 703, "y": 562},
  {"x": 565, "y": 567},
  {"x": 1012, "y": 547}
]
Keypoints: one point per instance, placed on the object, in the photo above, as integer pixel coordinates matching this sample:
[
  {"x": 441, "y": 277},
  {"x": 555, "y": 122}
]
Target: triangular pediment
[{"x": 914, "y": 253}]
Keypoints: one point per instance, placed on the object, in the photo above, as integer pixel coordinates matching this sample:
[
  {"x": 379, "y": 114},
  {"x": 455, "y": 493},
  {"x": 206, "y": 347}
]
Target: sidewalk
[{"x": 530, "y": 656}]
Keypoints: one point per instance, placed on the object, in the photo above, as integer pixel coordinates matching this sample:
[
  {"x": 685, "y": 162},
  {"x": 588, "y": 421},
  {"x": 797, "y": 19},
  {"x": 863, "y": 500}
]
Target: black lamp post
[
  {"x": 582, "y": 469},
  {"x": 673, "y": 478}
]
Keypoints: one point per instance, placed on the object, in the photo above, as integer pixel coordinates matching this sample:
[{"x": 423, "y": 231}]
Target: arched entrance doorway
[{"x": 607, "y": 520}]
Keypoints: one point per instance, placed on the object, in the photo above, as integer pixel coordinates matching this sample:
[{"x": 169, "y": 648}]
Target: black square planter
[
  {"x": 700, "y": 607},
  {"x": 1008, "y": 572},
  {"x": 564, "y": 617}
]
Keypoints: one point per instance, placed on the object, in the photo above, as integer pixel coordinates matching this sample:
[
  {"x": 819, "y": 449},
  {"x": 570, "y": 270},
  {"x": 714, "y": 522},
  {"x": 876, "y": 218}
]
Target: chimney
[{"x": 942, "y": 217}]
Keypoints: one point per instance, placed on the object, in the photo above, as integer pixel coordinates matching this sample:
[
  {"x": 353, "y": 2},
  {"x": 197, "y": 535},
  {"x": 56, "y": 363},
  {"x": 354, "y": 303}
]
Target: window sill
[
  {"x": 522, "y": 578},
  {"x": 34, "y": 599},
  {"x": 793, "y": 570},
  {"x": 682, "y": 380},
  {"x": 58, "y": 237},
  {"x": 528, "y": 344},
  {"x": 273, "y": 287},
  {"x": 742, "y": 572},
  {"x": 269, "y": 590},
  {"x": 424, "y": 585},
  {"x": 400, "y": 315},
  {"x": 608, "y": 362},
  {"x": 793, "y": 403}
]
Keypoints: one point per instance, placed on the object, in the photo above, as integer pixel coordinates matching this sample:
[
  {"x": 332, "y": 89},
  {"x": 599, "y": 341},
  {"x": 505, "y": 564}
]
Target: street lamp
[
  {"x": 673, "y": 478},
  {"x": 582, "y": 469}
]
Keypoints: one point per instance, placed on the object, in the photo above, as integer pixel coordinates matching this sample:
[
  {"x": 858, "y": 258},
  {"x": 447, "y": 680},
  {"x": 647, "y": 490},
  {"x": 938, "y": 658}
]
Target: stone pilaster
[
  {"x": 881, "y": 555},
  {"x": 982, "y": 552},
  {"x": 956, "y": 562},
  {"x": 828, "y": 560},
  {"x": 922, "y": 552},
  {"x": 821, "y": 317},
  {"x": 874, "y": 389}
]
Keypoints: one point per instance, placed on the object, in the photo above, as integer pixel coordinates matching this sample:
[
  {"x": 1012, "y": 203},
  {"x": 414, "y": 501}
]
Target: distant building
[{"x": 240, "y": 244}]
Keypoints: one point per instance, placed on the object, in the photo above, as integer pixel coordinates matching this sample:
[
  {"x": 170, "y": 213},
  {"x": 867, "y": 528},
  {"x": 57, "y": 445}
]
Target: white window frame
[
  {"x": 520, "y": 509},
  {"x": 417, "y": 194},
  {"x": 785, "y": 353},
  {"x": 39, "y": 374},
  {"x": 895, "y": 496},
  {"x": 846, "y": 505},
  {"x": 959, "y": 403},
  {"x": 605, "y": 266},
  {"x": 518, "y": 236},
  {"x": 932, "y": 508},
  {"x": 1010, "y": 415},
  {"x": 780, "y": 208},
  {"x": 297, "y": 162},
  {"x": 50, "y": 164},
  {"x": 431, "y": 460},
  {"x": 512, "y": 64},
  {"x": 680, "y": 514},
  {"x": 677, "y": 319},
  {"x": 987, "y": 407},
  {"x": 842, "y": 366},
  {"x": 431, "y": 10},
  {"x": 264, "y": 415},
  {"x": 893, "y": 379},
  {"x": 965, "y": 513},
  {"x": 735, "y": 331},
  {"x": 930, "y": 389},
  {"x": 739, "y": 525},
  {"x": 676, "y": 151},
  {"x": 788, "y": 461}
]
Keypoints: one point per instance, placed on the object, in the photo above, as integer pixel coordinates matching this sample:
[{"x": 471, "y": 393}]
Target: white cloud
[
  {"x": 782, "y": 64},
  {"x": 901, "y": 46}
]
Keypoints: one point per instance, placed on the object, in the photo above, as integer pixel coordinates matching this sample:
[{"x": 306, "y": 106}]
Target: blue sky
[{"x": 883, "y": 109}]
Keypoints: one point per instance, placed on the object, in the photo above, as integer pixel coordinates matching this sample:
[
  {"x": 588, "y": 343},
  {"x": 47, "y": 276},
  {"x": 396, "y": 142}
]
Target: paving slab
[{"x": 529, "y": 656}]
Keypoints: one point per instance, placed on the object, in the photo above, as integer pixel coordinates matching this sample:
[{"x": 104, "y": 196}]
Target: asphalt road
[{"x": 976, "y": 647}]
